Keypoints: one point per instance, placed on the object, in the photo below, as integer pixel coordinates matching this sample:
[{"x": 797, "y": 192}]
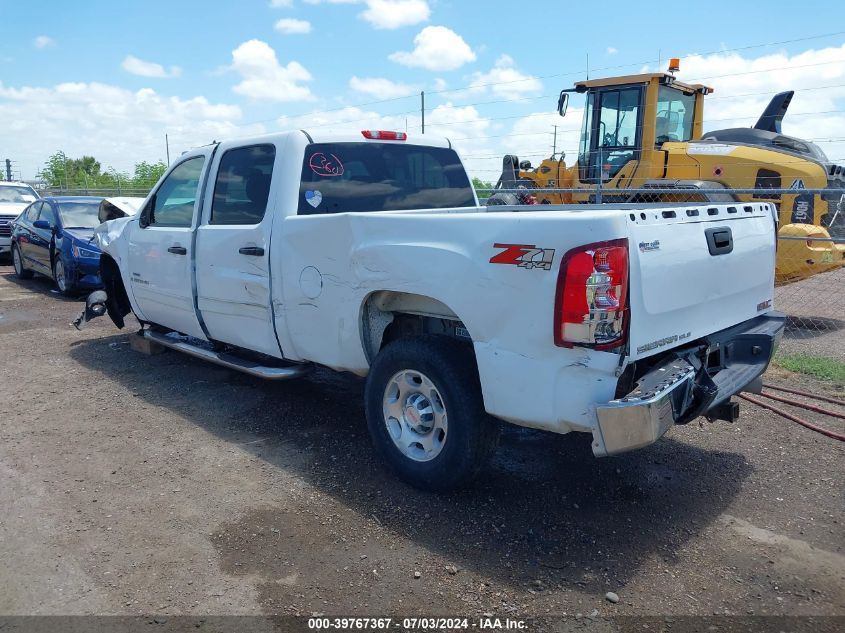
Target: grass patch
[{"x": 816, "y": 366}]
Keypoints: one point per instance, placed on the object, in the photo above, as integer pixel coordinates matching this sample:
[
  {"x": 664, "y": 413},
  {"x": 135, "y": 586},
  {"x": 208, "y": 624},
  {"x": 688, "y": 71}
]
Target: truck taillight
[{"x": 592, "y": 296}]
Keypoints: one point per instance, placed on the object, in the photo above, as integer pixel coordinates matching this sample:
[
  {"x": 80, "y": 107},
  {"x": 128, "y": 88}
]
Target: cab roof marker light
[{"x": 384, "y": 135}]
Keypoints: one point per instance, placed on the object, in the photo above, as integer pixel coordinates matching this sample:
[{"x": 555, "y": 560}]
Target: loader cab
[{"x": 626, "y": 122}]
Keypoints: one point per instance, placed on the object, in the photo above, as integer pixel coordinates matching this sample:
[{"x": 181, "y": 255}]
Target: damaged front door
[{"x": 161, "y": 249}]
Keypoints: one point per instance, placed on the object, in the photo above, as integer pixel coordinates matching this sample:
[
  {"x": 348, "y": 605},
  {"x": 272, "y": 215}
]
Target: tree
[
  {"x": 477, "y": 183},
  {"x": 61, "y": 172},
  {"x": 147, "y": 174}
]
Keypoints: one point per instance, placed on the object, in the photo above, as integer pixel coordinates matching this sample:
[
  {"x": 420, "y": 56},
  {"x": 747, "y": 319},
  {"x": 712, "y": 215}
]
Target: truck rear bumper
[{"x": 691, "y": 383}]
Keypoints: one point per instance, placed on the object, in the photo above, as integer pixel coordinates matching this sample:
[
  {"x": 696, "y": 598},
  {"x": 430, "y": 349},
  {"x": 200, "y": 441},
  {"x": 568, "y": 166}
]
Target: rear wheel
[
  {"x": 60, "y": 277},
  {"x": 425, "y": 412},
  {"x": 17, "y": 260}
]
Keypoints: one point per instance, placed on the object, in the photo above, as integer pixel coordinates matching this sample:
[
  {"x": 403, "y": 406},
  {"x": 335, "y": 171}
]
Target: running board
[{"x": 228, "y": 360}]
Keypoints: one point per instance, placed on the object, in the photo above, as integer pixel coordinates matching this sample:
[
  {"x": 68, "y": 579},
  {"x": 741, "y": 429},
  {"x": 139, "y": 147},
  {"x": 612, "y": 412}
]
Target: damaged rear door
[{"x": 233, "y": 247}]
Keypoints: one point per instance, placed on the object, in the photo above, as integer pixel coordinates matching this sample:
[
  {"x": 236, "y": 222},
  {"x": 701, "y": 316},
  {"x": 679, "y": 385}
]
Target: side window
[
  {"x": 32, "y": 212},
  {"x": 173, "y": 203},
  {"x": 675, "y": 112},
  {"x": 47, "y": 214},
  {"x": 243, "y": 185}
]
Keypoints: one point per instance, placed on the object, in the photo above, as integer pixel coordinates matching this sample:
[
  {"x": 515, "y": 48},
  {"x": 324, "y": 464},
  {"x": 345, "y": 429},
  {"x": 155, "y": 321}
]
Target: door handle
[
  {"x": 256, "y": 251},
  {"x": 178, "y": 250}
]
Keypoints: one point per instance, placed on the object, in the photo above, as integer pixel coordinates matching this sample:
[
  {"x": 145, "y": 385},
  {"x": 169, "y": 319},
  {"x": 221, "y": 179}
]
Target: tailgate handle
[{"x": 720, "y": 241}]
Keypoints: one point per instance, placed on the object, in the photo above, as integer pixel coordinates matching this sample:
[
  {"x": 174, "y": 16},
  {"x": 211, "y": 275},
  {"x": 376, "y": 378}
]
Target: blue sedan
[{"x": 55, "y": 237}]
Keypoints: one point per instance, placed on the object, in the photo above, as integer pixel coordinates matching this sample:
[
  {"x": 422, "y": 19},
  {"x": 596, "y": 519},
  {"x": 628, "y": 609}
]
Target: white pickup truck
[{"x": 370, "y": 254}]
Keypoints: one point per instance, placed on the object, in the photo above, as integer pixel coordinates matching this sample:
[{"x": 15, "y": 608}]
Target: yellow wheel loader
[{"x": 642, "y": 141}]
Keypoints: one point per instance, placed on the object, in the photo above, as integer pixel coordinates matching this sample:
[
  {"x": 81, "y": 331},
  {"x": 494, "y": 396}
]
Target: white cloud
[
  {"x": 743, "y": 87},
  {"x": 381, "y": 88},
  {"x": 436, "y": 48},
  {"x": 611, "y": 50},
  {"x": 263, "y": 77},
  {"x": 392, "y": 14},
  {"x": 462, "y": 124},
  {"x": 43, "y": 41},
  {"x": 332, "y": 1},
  {"x": 135, "y": 66},
  {"x": 505, "y": 80},
  {"x": 292, "y": 26},
  {"x": 281, "y": 4},
  {"x": 117, "y": 126}
]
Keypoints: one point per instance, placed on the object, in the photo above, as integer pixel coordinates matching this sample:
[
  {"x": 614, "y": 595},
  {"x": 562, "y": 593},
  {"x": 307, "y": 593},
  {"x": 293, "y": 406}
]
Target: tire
[
  {"x": 60, "y": 278},
  {"x": 502, "y": 199},
  {"x": 422, "y": 380},
  {"x": 17, "y": 261}
]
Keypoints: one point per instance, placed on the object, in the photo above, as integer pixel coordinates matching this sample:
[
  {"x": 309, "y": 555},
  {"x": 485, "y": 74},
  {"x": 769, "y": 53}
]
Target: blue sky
[{"x": 110, "y": 79}]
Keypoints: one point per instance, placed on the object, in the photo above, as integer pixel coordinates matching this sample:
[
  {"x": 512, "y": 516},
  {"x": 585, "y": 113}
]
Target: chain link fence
[
  {"x": 810, "y": 278},
  {"x": 810, "y": 270},
  {"x": 105, "y": 192}
]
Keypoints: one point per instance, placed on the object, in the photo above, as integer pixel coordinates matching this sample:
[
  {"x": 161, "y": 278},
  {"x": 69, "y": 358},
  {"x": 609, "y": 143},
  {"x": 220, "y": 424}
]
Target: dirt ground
[{"x": 134, "y": 484}]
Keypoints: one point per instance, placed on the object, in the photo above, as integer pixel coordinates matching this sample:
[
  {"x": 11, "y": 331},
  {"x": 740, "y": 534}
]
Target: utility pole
[
  {"x": 167, "y": 145},
  {"x": 422, "y": 109}
]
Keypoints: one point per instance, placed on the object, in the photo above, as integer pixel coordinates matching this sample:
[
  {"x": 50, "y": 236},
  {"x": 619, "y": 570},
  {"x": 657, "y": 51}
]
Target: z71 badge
[{"x": 524, "y": 255}]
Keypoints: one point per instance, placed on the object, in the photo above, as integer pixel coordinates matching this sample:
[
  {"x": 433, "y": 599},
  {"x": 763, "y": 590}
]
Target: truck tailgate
[{"x": 697, "y": 270}]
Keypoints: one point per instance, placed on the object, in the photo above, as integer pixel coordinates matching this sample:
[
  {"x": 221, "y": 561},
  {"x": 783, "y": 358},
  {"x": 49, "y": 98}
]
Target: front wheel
[
  {"x": 17, "y": 260},
  {"x": 60, "y": 277},
  {"x": 425, "y": 412}
]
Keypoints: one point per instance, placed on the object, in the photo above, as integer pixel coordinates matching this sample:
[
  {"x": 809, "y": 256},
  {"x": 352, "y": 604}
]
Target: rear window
[{"x": 354, "y": 177}]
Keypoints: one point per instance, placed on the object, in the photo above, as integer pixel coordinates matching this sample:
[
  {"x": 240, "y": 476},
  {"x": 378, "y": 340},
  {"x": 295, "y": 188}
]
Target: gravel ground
[{"x": 135, "y": 484}]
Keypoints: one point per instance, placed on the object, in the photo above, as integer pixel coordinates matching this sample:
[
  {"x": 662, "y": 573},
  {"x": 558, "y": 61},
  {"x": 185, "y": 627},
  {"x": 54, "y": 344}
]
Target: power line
[
  {"x": 641, "y": 63},
  {"x": 564, "y": 74}
]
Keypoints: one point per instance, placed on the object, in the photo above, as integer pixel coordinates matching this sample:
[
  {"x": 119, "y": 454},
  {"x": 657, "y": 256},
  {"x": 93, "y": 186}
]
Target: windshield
[
  {"x": 17, "y": 193},
  {"x": 354, "y": 177},
  {"x": 79, "y": 215}
]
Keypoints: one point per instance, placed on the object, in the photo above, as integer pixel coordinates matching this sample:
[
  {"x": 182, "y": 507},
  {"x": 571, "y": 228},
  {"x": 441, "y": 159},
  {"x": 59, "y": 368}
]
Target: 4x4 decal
[{"x": 524, "y": 255}]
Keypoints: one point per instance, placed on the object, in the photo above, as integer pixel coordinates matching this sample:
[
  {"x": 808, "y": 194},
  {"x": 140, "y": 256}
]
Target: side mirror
[
  {"x": 146, "y": 212},
  {"x": 562, "y": 103},
  {"x": 42, "y": 224}
]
